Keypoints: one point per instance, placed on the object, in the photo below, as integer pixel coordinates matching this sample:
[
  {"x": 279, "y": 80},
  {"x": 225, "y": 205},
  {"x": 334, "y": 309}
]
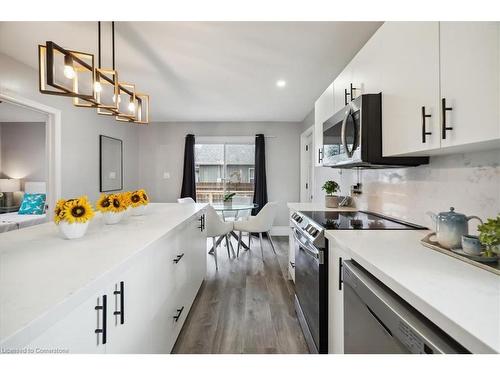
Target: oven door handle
[{"x": 306, "y": 248}]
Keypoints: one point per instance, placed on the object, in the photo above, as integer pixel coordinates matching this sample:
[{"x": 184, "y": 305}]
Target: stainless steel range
[{"x": 311, "y": 264}]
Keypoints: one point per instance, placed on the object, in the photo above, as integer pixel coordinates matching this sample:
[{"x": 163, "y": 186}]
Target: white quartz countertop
[
  {"x": 40, "y": 271},
  {"x": 463, "y": 300},
  {"x": 297, "y": 206}
]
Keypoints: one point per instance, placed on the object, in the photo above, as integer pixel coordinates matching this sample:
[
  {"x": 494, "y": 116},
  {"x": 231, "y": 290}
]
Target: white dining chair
[
  {"x": 261, "y": 223},
  {"x": 186, "y": 200},
  {"x": 216, "y": 227}
]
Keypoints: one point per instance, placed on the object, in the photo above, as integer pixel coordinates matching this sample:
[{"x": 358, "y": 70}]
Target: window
[{"x": 223, "y": 168}]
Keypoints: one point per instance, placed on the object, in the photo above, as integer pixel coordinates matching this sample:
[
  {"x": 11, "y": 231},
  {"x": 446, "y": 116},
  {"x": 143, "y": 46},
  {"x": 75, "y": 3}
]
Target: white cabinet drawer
[{"x": 76, "y": 332}]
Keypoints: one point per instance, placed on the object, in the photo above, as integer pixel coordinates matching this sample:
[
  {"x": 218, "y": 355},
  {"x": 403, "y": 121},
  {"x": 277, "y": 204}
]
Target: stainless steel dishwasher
[{"x": 377, "y": 321}]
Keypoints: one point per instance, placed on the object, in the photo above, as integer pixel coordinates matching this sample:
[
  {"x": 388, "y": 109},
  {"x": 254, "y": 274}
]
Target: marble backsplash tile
[{"x": 469, "y": 182}]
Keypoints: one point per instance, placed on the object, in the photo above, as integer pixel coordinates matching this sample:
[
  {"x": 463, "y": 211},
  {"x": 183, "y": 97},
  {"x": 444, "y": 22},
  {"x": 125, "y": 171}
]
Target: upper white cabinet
[
  {"x": 323, "y": 109},
  {"x": 451, "y": 69},
  {"x": 469, "y": 69},
  {"x": 440, "y": 85},
  {"x": 402, "y": 61}
]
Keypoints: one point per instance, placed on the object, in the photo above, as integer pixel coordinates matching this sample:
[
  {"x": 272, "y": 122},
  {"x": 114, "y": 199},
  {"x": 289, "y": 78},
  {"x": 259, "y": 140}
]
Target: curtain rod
[{"x": 229, "y": 136}]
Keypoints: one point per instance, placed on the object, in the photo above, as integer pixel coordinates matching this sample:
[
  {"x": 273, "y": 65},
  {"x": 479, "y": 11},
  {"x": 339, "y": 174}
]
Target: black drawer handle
[
  {"x": 178, "y": 258},
  {"x": 292, "y": 264},
  {"x": 346, "y": 94},
  {"x": 444, "y": 108},
  {"x": 320, "y": 155},
  {"x": 424, "y": 132},
  {"x": 202, "y": 222},
  {"x": 103, "y": 308},
  {"x": 179, "y": 313},
  {"x": 121, "y": 312}
]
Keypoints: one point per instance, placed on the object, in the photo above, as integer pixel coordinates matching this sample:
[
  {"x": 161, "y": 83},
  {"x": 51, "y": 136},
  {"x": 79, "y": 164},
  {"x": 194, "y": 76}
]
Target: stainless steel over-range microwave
[{"x": 352, "y": 137}]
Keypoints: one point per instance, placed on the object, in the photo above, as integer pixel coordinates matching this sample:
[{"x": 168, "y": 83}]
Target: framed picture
[{"x": 110, "y": 164}]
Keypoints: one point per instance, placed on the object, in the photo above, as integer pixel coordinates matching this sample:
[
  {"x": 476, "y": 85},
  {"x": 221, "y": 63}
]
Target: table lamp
[{"x": 8, "y": 186}]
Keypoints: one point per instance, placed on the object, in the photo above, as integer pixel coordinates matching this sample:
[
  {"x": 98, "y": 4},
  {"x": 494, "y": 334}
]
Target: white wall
[
  {"x": 469, "y": 182},
  {"x": 161, "y": 149},
  {"x": 23, "y": 150},
  {"x": 80, "y": 133}
]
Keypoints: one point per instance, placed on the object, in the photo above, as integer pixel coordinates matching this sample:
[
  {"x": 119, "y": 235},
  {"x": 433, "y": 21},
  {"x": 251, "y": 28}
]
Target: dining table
[{"x": 237, "y": 208}]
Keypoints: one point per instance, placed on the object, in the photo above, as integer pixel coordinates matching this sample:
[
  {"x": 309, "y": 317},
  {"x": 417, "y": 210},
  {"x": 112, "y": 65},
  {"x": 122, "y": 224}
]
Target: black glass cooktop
[{"x": 356, "y": 220}]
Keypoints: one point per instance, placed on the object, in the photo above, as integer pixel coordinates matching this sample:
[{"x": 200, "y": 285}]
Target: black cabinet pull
[
  {"x": 104, "y": 309},
  {"x": 320, "y": 155},
  {"x": 346, "y": 94},
  {"x": 340, "y": 274},
  {"x": 292, "y": 264},
  {"x": 444, "y": 108},
  {"x": 424, "y": 132},
  {"x": 179, "y": 312},
  {"x": 178, "y": 258},
  {"x": 352, "y": 93},
  {"x": 121, "y": 312}
]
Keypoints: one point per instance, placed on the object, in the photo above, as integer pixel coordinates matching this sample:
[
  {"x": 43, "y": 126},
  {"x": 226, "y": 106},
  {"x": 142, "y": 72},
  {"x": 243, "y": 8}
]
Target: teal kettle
[{"x": 450, "y": 227}]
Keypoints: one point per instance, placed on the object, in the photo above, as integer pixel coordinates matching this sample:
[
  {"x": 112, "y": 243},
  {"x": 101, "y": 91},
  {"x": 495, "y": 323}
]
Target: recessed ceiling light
[{"x": 281, "y": 83}]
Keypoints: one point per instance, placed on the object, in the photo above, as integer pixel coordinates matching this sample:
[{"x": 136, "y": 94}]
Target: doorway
[
  {"x": 52, "y": 117},
  {"x": 306, "y": 165}
]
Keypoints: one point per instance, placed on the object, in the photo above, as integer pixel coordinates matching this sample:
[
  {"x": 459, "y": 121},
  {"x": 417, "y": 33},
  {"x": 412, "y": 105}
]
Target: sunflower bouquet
[
  {"x": 73, "y": 216},
  {"x": 112, "y": 207}
]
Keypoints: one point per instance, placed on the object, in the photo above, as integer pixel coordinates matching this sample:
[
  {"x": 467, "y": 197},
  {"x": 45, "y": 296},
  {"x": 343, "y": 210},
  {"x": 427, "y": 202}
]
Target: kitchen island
[{"x": 106, "y": 292}]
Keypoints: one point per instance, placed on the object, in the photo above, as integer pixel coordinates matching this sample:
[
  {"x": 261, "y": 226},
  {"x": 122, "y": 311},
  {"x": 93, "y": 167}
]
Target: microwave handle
[{"x": 344, "y": 133}]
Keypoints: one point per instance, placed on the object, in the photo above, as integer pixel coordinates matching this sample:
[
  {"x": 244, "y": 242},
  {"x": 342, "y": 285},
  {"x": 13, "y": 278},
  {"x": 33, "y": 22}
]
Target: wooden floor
[{"x": 244, "y": 307}]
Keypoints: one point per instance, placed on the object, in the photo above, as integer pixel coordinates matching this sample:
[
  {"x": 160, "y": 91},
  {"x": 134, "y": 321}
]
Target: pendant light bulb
[
  {"x": 69, "y": 71},
  {"x": 98, "y": 86},
  {"x": 131, "y": 106},
  {"x": 119, "y": 99}
]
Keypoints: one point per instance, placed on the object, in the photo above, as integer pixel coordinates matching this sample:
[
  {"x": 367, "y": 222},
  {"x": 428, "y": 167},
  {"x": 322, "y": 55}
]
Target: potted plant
[
  {"x": 72, "y": 216},
  {"x": 112, "y": 207},
  {"x": 331, "y": 187},
  {"x": 489, "y": 236},
  {"x": 228, "y": 199},
  {"x": 139, "y": 200}
]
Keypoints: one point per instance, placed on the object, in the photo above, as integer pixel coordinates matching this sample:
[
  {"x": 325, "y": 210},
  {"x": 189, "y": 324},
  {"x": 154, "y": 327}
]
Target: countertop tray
[{"x": 491, "y": 267}]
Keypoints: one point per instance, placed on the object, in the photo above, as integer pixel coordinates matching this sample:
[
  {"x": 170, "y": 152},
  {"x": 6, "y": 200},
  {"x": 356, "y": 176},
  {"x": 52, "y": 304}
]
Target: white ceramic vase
[
  {"x": 71, "y": 231},
  {"x": 112, "y": 217},
  {"x": 139, "y": 210}
]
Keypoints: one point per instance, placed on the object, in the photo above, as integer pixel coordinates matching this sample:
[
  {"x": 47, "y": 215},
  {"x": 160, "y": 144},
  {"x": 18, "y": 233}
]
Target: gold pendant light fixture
[{"x": 71, "y": 73}]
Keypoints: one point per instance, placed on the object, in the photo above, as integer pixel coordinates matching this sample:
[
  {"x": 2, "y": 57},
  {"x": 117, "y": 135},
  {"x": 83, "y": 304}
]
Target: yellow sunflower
[
  {"x": 126, "y": 198},
  {"x": 59, "y": 211},
  {"x": 77, "y": 210},
  {"x": 103, "y": 204},
  {"x": 117, "y": 204},
  {"x": 139, "y": 198}
]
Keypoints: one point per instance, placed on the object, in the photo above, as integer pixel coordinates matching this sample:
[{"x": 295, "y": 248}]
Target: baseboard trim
[{"x": 280, "y": 231}]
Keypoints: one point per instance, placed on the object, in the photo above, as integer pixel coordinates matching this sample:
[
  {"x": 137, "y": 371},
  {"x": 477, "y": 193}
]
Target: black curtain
[
  {"x": 189, "y": 178},
  {"x": 260, "y": 188}
]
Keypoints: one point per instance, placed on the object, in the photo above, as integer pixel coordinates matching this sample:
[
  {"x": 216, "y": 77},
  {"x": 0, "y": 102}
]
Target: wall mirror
[{"x": 111, "y": 164}]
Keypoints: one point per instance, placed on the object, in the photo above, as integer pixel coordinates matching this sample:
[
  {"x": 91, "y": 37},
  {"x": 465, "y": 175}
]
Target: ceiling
[
  {"x": 14, "y": 113},
  {"x": 210, "y": 71}
]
